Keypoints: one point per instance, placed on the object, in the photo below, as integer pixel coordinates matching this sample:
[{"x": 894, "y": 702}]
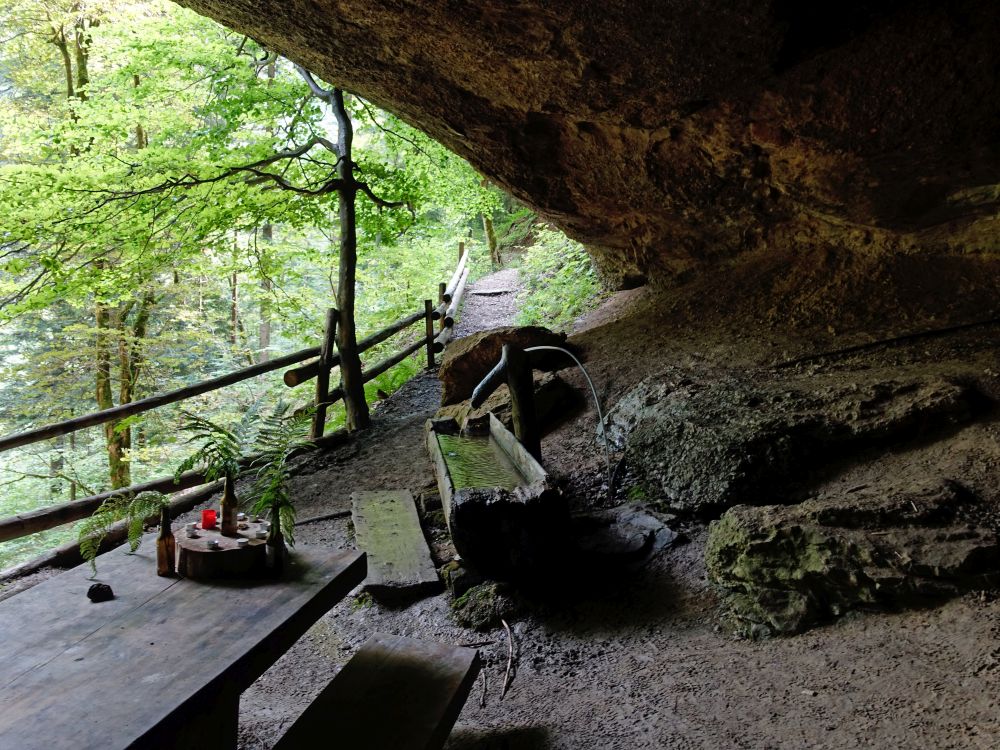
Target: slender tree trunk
[
  {"x": 266, "y": 287},
  {"x": 347, "y": 340},
  {"x": 118, "y": 468},
  {"x": 234, "y": 309},
  {"x": 491, "y": 239}
]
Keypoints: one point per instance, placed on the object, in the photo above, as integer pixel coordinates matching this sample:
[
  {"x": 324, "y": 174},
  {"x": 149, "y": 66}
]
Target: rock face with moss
[
  {"x": 789, "y": 567},
  {"x": 672, "y": 134},
  {"x": 703, "y": 446}
]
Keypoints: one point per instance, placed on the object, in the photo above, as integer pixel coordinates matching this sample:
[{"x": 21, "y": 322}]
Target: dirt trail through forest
[{"x": 640, "y": 660}]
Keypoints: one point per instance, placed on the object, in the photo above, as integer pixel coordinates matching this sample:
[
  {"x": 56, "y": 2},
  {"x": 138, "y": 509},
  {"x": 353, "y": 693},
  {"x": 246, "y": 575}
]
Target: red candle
[{"x": 208, "y": 519}]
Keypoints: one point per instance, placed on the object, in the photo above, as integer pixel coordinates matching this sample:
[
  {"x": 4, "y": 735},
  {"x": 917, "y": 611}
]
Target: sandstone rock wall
[{"x": 677, "y": 133}]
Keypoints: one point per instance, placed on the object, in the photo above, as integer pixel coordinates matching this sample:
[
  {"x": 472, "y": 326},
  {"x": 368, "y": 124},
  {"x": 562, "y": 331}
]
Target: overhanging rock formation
[{"x": 668, "y": 134}]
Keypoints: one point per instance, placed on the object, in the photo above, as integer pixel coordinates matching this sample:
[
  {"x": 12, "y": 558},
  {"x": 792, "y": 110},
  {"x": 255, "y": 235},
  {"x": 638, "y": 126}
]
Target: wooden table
[{"x": 164, "y": 663}]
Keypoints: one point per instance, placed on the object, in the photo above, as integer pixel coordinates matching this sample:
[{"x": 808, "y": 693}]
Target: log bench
[{"x": 396, "y": 693}]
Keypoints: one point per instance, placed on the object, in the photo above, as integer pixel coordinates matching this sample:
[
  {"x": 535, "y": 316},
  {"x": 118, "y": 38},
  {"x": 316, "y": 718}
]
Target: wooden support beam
[
  {"x": 429, "y": 332},
  {"x": 323, "y": 375},
  {"x": 522, "y": 400}
]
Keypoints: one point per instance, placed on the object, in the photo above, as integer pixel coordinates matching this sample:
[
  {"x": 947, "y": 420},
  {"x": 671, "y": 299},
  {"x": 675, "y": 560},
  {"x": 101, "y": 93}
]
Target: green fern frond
[
  {"x": 279, "y": 436},
  {"x": 133, "y": 509}
]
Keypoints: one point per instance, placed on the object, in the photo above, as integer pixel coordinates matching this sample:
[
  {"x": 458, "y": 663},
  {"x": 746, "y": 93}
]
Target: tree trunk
[
  {"x": 491, "y": 239},
  {"x": 234, "y": 309},
  {"x": 347, "y": 340},
  {"x": 118, "y": 468},
  {"x": 266, "y": 287}
]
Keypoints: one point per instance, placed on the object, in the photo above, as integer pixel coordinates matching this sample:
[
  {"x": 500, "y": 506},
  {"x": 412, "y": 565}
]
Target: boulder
[
  {"x": 787, "y": 568},
  {"x": 626, "y": 534},
  {"x": 554, "y": 400},
  {"x": 468, "y": 359},
  {"x": 700, "y": 447}
]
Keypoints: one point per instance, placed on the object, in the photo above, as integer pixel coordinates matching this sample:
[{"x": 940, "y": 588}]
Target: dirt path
[{"x": 641, "y": 661}]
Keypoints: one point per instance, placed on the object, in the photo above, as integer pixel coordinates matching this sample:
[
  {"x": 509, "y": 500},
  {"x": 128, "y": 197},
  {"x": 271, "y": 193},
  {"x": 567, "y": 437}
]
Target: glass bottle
[
  {"x": 276, "y": 550},
  {"x": 229, "y": 502},
  {"x": 166, "y": 549}
]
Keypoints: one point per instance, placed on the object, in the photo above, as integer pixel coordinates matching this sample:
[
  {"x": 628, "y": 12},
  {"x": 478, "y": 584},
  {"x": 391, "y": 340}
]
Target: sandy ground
[{"x": 642, "y": 660}]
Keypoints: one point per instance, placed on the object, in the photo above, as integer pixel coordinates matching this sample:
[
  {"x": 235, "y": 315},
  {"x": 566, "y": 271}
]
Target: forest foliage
[{"x": 165, "y": 218}]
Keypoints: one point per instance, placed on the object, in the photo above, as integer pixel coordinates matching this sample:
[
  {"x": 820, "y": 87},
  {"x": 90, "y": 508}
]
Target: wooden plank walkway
[
  {"x": 396, "y": 693},
  {"x": 387, "y": 528}
]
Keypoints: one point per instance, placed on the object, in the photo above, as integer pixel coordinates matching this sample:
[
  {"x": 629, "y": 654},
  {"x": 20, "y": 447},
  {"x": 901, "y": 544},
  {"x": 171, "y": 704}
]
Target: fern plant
[
  {"x": 133, "y": 509},
  {"x": 219, "y": 456},
  {"x": 280, "y": 436}
]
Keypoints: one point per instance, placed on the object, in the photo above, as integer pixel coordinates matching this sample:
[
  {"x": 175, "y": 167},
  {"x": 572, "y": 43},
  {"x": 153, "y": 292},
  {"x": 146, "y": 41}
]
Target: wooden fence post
[
  {"x": 323, "y": 376},
  {"x": 522, "y": 400},
  {"x": 461, "y": 251},
  {"x": 429, "y": 330}
]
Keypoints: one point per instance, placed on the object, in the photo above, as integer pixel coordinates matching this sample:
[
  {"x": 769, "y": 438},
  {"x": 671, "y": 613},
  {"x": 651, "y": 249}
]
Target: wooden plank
[
  {"x": 446, "y": 489},
  {"x": 396, "y": 692},
  {"x": 518, "y": 454},
  {"x": 387, "y": 528},
  {"x": 154, "y": 661}
]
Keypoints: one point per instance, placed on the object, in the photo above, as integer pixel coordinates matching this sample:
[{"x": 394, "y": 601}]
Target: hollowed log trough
[{"x": 506, "y": 517}]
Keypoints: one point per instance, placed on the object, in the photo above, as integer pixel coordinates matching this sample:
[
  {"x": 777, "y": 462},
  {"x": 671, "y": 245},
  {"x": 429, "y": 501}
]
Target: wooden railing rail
[
  {"x": 298, "y": 375},
  {"x": 153, "y": 402},
  {"x": 323, "y": 359}
]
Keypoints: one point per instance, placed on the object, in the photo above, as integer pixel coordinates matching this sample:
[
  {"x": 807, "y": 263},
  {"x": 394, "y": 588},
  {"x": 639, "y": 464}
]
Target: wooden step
[
  {"x": 387, "y": 528},
  {"x": 396, "y": 693}
]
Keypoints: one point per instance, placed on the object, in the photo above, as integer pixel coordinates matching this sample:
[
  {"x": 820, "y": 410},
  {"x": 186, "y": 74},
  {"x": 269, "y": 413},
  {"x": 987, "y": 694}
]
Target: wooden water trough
[{"x": 505, "y": 514}]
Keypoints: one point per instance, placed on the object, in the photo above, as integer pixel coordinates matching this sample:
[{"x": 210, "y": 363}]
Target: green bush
[{"x": 560, "y": 282}]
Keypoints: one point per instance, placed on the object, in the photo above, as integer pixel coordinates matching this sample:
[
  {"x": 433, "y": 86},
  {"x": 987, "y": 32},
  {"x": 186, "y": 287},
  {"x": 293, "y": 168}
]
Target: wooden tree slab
[
  {"x": 396, "y": 692},
  {"x": 388, "y": 530},
  {"x": 196, "y": 560}
]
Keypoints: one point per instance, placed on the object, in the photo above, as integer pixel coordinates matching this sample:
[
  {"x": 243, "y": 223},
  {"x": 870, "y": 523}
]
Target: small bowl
[
  {"x": 212, "y": 544},
  {"x": 242, "y": 543},
  {"x": 261, "y": 534}
]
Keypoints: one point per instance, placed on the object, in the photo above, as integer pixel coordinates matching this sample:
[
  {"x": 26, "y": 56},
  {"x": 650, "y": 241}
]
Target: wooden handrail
[
  {"x": 452, "y": 311},
  {"x": 299, "y": 375},
  {"x": 69, "y": 554},
  {"x": 51, "y": 516},
  {"x": 456, "y": 278},
  {"x": 153, "y": 402}
]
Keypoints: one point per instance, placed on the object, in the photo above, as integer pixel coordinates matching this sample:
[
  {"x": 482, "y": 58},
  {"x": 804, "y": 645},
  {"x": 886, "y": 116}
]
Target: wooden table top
[{"x": 128, "y": 672}]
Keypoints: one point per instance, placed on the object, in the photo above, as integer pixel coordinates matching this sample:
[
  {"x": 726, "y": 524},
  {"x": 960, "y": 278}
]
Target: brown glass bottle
[
  {"x": 166, "y": 547},
  {"x": 276, "y": 550},
  {"x": 228, "y": 509}
]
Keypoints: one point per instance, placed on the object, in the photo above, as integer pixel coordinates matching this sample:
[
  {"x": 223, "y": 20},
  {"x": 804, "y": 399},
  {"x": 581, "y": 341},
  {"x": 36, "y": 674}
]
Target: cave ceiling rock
[{"x": 667, "y": 134}]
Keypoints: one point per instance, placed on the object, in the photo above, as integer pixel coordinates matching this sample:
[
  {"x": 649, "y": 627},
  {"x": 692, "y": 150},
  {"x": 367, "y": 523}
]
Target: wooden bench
[{"x": 396, "y": 693}]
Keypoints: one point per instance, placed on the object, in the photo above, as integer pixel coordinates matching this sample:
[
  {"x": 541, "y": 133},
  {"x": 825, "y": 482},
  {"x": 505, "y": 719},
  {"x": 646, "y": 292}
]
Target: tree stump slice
[{"x": 195, "y": 560}]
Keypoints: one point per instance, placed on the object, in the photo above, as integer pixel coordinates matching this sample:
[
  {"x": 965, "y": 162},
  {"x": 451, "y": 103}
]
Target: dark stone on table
[{"x": 100, "y": 592}]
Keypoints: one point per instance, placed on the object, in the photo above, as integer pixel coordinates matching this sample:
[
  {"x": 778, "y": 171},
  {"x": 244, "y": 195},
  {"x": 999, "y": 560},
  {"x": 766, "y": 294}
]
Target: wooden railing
[{"x": 319, "y": 361}]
